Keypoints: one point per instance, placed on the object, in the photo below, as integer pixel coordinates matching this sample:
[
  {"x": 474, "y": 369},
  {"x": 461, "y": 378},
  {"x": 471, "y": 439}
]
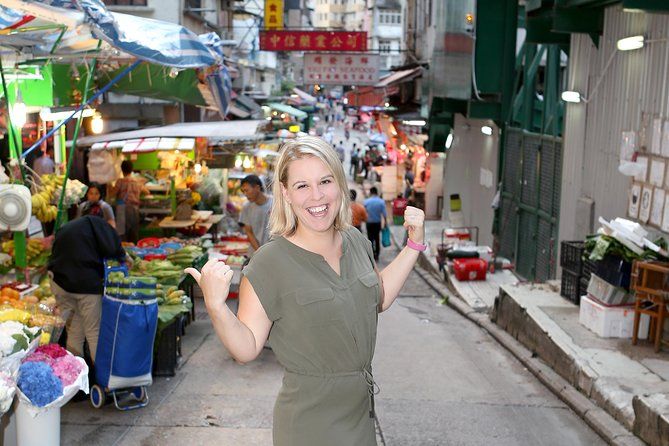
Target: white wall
[
  {"x": 470, "y": 152},
  {"x": 636, "y": 82}
]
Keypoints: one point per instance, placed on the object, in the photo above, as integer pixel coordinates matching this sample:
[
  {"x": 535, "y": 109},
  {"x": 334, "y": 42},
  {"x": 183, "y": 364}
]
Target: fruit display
[
  {"x": 171, "y": 296},
  {"x": 46, "y": 195},
  {"x": 43, "y": 208},
  {"x": 185, "y": 256},
  {"x": 37, "y": 253}
]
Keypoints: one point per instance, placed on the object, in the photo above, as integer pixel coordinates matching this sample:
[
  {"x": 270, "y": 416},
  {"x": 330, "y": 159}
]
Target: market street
[{"x": 443, "y": 382}]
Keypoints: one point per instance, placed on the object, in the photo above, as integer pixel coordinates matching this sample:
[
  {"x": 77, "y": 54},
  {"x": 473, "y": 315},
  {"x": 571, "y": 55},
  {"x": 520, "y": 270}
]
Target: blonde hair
[{"x": 282, "y": 220}]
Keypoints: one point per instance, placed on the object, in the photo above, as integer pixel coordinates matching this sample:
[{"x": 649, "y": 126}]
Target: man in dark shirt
[{"x": 76, "y": 269}]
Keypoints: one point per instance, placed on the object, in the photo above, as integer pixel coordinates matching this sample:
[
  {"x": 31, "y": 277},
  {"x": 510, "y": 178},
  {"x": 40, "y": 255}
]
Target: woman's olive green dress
[{"x": 323, "y": 333}]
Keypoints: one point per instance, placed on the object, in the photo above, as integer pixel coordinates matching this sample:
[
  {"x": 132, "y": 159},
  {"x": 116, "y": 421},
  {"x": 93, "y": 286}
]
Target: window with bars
[
  {"x": 390, "y": 18},
  {"x": 384, "y": 46},
  {"x": 194, "y": 6}
]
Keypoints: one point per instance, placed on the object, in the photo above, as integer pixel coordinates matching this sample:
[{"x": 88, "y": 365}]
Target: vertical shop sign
[
  {"x": 273, "y": 14},
  {"x": 341, "y": 69}
]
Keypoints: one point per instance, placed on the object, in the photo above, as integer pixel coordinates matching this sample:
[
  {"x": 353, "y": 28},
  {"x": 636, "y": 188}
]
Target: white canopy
[{"x": 217, "y": 132}]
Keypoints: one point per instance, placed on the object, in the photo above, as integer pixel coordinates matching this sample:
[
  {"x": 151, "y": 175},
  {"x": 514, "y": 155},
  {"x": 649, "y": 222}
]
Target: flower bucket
[{"x": 42, "y": 429}]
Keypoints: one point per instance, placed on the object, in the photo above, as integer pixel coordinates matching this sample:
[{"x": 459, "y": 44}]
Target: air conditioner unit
[{"x": 15, "y": 207}]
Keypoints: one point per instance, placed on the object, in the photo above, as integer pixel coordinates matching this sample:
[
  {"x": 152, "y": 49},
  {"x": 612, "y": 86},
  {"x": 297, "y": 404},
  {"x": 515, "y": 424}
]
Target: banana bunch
[
  {"x": 41, "y": 201},
  {"x": 34, "y": 248}
]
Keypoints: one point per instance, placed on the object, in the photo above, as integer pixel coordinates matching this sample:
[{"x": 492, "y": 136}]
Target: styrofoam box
[{"x": 610, "y": 322}]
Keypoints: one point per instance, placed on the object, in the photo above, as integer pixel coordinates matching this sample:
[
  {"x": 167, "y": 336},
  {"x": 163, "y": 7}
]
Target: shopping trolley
[{"x": 125, "y": 345}]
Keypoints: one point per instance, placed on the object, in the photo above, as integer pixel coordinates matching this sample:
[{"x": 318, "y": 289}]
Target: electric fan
[{"x": 15, "y": 207}]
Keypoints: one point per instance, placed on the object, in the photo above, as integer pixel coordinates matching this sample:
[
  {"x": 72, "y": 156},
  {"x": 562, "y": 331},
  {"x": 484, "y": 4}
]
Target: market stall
[
  {"x": 173, "y": 161},
  {"x": 38, "y": 35}
]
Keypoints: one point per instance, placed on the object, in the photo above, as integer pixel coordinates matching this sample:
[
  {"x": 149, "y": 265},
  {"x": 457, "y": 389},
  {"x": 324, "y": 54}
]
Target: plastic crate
[
  {"x": 572, "y": 287},
  {"x": 168, "y": 349},
  {"x": 571, "y": 256},
  {"x": 615, "y": 271},
  {"x": 589, "y": 268}
]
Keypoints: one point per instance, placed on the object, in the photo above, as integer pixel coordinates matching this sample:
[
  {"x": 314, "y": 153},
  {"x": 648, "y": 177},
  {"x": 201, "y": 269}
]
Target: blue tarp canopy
[{"x": 154, "y": 41}]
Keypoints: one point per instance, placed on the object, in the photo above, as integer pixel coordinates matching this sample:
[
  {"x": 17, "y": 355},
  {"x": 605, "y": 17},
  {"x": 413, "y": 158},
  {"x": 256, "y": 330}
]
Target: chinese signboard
[
  {"x": 313, "y": 41},
  {"x": 341, "y": 69},
  {"x": 274, "y": 14}
]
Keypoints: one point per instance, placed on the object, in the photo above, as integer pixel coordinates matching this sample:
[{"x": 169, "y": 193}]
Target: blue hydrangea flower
[{"x": 38, "y": 382}]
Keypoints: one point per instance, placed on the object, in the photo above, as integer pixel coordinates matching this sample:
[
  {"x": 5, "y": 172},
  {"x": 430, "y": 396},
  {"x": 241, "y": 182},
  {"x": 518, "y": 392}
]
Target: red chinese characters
[
  {"x": 335, "y": 41},
  {"x": 341, "y": 69}
]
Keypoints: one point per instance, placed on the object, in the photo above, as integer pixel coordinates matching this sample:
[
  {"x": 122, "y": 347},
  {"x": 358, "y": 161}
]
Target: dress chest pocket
[
  {"x": 370, "y": 281},
  {"x": 317, "y": 305}
]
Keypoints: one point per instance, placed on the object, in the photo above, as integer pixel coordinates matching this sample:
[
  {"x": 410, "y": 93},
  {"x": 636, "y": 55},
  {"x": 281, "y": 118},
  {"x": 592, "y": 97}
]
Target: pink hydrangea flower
[
  {"x": 52, "y": 350},
  {"x": 67, "y": 368}
]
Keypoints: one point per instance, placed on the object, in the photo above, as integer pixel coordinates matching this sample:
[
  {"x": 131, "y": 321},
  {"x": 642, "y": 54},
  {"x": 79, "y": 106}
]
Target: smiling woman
[
  {"x": 315, "y": 293},
  {"x": 317, "y": 179}
]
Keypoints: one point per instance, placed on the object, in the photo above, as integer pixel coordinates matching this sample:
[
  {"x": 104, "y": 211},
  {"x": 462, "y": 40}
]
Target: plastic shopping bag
[{"x": 385, "y": 237}]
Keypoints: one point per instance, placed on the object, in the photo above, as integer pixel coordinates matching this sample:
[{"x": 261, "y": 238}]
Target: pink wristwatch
[{"x": 417, "y": 246}]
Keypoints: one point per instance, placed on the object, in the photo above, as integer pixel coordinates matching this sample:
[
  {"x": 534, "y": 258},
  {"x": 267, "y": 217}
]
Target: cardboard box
[{"x": 607, "y": 293}]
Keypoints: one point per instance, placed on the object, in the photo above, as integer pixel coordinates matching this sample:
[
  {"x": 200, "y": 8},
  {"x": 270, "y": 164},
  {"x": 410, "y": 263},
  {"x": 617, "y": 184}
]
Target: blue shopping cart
[{"x": 125, "y": 345}]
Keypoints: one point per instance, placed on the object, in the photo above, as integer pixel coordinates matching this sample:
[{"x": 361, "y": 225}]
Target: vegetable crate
[
  {"x": 572, "y": 259},
  {"x": 573, "y": 286},
  {"x": 168, "y": 348},
  {"x": 615, "y": 270}
]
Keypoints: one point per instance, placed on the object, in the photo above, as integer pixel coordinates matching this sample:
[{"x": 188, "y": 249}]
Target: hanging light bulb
[
  {"x": 173, "y": 72},
  {"x": 18, "y": 111},
  {"x": 97, "y": 124},
  {"x": 238, "y": 162},
  {"x": 247, "y": 163},
  {"x": 198, "y": 168}
]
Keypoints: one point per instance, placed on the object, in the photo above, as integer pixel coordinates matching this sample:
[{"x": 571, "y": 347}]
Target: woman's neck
[{"x": 318, "y": 242}]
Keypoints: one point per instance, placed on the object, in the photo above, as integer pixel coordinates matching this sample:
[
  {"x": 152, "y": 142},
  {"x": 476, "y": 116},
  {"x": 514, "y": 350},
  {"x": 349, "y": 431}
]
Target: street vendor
[
  {"x": 127, "y": 191},
  {"x": 315, "y": 292},
  {"x": 95, "y": 205},
  {"x": 76, "y": 270},
  {"x": 254, "y": 217}
]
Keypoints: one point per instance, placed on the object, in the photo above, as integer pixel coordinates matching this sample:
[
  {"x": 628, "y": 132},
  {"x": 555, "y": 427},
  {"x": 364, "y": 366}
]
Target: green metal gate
[{"x": 530, "y": 202}]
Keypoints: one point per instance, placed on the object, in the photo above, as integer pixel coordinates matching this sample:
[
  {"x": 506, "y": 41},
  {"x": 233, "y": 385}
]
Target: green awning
[
  {"x": 283, "y": 108},
  {"x": 154, "y": 81}
]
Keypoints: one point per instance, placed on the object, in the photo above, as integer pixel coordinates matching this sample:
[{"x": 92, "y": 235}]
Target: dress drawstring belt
[{"x": 372, "y": 387}]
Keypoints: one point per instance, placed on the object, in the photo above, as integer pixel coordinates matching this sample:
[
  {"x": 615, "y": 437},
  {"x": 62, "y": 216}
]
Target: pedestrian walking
[
  {"x": 358, "y": 212},
  {"x": 355, "y": 160},
  {"x": 127, "y": 192},
  {"x": 76, "y": 271},
  {"x": 341, "y": 151},
  {"x": 315, "y": 291},
  {"x": 254, "y": 218},
  {"x": 377, "y": 218},
  {"x": 366, "y": 163},
  {"x": 329, "y": 135}
]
